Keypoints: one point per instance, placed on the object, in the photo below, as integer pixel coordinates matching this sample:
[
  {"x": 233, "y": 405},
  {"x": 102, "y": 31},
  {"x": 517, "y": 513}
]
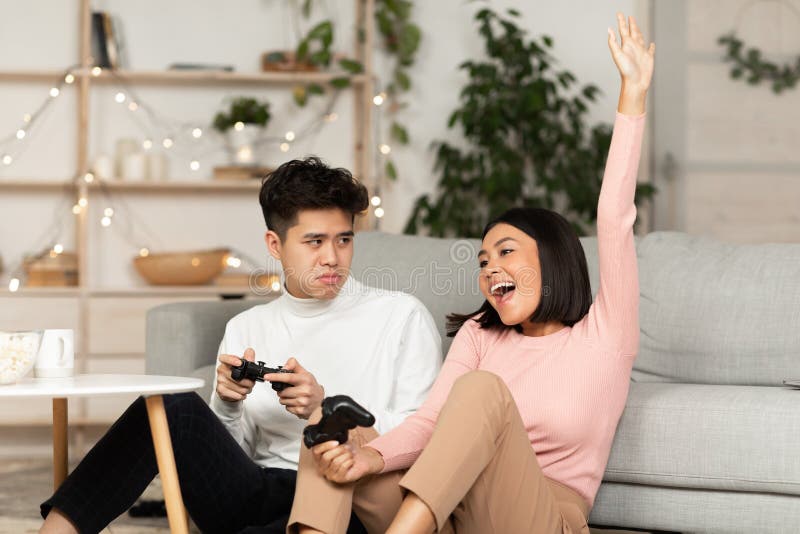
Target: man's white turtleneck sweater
[{"x": 379, "y": 347}]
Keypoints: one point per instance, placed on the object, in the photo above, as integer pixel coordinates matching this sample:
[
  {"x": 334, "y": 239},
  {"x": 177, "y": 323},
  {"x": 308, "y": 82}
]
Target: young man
[{"x": 237, "y": 464}]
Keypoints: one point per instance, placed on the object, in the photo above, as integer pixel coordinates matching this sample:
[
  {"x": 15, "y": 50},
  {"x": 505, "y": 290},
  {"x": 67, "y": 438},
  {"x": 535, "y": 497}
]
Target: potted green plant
[
  {"x": 528, "y": 139},
  {"x": 242, "y": 125}
]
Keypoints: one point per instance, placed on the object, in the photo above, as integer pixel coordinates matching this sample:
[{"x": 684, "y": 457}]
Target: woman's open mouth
[{"x": 503, "y": 292}]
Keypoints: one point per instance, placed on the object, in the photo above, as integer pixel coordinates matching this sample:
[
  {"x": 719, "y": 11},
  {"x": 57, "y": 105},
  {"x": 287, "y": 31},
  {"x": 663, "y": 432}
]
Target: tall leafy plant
[{"x": 528, "y": 141}]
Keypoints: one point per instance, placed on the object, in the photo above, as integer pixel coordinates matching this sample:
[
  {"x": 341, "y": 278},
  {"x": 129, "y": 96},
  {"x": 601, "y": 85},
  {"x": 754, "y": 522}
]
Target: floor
[{"x": 26, "y": 483}]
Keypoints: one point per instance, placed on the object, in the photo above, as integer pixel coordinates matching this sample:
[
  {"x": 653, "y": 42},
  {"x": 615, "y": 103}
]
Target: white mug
[{"x": 56, "y": 357}]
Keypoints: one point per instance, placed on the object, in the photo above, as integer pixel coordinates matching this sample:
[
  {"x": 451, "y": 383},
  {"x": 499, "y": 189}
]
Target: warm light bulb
[
  {"x": 385, "y": 149},
  {"x": 54, "y": 92},
  {"x": 69, "y": 78},
  {"x": 167, "y": 142},
  {"x": 7, "y": 159},
  {"x": 108, "y": 212},
  {"x": 276, "y": 286},
  {"x": 194, "y": 165},
  {"x": 284, "y": 147},
  {"x": 234, "y": 262},
  {"x": 197, "y": 133},
  {"x": 147, "y": 144},
  {"x": 376, "y": 201},
  {"x": 76, "y": 209},
  {"x": 26, "y": 117},
  {"x": 58, "y": 248},
  {"x": 143, "y": 252},
  {"x": 106, "y": 221},
  {"x": 88, "y": 178},
  {"x": 379, "y": 212},
  {"x": 377, "y": 100},
  {"x": 133, "y": 106},
  {"x": 13, "y": 285},
  {"x": 120, "y": 98},
  {"x": 239, "y": 126},
  {"x": 290, "y": 136},
  {"x": 96, "y": 71},
  {"x": 83, "y": 202},
  {"x": 20, "y": 133}
]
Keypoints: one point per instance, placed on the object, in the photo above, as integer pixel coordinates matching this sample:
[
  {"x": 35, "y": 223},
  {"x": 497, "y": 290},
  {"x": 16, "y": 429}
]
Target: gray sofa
[{"x": 709, "y": 440}]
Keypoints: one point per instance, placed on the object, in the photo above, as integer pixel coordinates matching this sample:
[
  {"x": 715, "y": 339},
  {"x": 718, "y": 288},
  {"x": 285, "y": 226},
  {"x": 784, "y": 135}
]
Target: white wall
[{"x": 41, "y": 34}]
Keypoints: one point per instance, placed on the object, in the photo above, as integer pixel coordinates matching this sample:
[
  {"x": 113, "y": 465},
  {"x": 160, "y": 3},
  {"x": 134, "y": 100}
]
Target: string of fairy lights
[{"x": 192, "y": 141}]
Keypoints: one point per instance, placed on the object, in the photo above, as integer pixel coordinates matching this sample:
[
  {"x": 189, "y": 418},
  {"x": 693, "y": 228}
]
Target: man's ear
[{"x": 273, "y": 242}]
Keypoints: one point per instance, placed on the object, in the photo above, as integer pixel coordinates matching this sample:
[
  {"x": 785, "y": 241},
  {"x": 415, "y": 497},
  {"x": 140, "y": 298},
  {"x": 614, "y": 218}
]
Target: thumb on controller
[
  {"x": 294, "y": 366},
  {"x": 250, "y": 355}
]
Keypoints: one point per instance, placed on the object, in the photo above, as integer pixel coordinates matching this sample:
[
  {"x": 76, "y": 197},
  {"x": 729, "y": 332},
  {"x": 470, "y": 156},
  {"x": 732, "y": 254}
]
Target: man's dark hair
[
  {"x": 566, "y": 291},
  {"x": 308, "y": 184}
]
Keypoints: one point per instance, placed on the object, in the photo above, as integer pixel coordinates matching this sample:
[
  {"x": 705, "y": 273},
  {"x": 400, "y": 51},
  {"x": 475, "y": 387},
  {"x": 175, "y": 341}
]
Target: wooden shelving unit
[
  {"x": 171, "y": 186},
  {"x": 41, "y": 304},
  {"x": 182, "y": 77}
]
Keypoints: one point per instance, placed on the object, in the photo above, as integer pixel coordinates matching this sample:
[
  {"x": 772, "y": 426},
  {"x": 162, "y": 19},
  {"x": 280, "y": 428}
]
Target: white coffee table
[{"x": 151, "y": 386}]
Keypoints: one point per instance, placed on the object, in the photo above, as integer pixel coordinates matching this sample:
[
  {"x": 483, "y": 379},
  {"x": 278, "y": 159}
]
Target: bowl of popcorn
[{"x": 18, "y": 354}]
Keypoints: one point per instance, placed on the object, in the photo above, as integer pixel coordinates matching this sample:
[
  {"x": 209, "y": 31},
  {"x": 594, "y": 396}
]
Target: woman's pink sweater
[{"x": 570, "y": 386}]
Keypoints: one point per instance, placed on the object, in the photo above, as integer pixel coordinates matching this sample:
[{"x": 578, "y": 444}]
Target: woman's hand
[
  {"x": 346, "y": 463},
  {"x": 634, "y": 59}
]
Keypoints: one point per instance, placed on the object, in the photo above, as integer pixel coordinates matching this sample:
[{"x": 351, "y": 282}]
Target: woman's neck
[{"x": 541, "y": 329}]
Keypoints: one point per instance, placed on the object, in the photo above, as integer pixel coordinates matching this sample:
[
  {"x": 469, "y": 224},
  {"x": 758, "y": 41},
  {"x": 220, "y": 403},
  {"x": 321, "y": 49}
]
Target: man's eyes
[{"x": 341, "y": 241}]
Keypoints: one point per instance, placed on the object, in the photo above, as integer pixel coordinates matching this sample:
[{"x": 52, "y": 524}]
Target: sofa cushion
[
  {"x": 718, "y": 313},
  {"x": 732, "y": 438},
  {"x": 442, "y": 273}
]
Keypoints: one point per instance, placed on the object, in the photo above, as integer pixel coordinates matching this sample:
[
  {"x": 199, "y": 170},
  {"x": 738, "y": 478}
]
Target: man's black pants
[{"x": 223, "y": 490}]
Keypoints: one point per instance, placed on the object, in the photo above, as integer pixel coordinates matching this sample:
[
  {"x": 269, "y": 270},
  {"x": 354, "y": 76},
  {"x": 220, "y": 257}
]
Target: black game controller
[
  {"x": 256, "y": 371},
  {"x": 340, "y": 413}
]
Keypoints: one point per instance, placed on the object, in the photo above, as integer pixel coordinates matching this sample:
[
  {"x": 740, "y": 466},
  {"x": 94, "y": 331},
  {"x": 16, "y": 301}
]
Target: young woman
[{"x": 516, "y": 432}]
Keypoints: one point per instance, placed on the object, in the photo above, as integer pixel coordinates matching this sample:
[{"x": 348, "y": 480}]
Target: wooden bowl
[
  {"x": 51, "y": 269},
  {"x": 182, "y": 268}
]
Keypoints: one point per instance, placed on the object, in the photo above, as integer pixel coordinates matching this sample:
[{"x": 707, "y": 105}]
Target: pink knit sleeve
[
  {"x": 401, "y": 446},
  {"x": 613, "y": 318}
]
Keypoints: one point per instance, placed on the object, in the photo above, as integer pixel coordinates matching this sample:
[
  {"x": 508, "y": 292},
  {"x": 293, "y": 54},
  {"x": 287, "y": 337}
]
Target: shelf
[
  {"x": 186, "y": 186},
  {"x": 176, "y": 291},
  {"x": 52, "y": 76},
  {"x": 35, "y": 184},
  {"x": 41, "y": 292},
  {"x": 215, "y": 186},
  {"x": 182, "y": 77},
  {"x": 222, "y": 77},
  {"x": 133, "y": 292}
]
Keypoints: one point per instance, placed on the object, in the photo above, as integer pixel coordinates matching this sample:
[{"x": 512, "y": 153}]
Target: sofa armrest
[{"x": 185, "y": 336}]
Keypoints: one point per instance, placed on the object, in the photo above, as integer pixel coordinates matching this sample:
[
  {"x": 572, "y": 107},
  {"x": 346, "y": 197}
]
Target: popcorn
[{"x": 17, "y": 355}]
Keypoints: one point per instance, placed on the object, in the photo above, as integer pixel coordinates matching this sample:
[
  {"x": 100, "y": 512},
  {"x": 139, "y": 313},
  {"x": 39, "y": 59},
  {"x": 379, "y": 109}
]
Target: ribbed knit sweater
[{"x": 570, "y": 386}]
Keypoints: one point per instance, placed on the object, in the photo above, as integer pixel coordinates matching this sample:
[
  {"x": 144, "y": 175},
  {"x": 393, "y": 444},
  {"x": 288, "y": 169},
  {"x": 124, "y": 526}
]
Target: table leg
[
  {"x": 60, "y": 442},
  {"x": 178, "y": 522}
]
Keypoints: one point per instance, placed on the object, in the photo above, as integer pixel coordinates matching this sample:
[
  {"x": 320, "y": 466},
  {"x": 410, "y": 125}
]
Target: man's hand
[
  {"x": 229, "y": 389},
  {"x": 346, "y": 463},
  {"x": 303, "y": 395}
]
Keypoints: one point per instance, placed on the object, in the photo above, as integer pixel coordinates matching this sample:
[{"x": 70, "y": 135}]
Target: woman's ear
[{"x": 273, "y": 242}]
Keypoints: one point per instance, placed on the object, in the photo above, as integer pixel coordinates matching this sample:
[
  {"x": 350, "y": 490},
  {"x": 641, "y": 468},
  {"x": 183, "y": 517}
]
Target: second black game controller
[
  {"x": 256, "y": 371},
  {"x": 340, "y": 413}
]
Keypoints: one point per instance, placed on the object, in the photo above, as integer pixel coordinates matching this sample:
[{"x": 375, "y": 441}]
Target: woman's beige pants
[{"x": 478, "y": 474}]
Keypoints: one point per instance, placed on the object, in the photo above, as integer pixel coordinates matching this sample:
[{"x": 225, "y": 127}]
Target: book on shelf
[{"x": 105, "y": 44}]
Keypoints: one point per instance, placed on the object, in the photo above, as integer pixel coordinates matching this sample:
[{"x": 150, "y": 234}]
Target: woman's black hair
[
  {"x": 305, "y": 184},
  {"x": 566, "y": 291}
]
